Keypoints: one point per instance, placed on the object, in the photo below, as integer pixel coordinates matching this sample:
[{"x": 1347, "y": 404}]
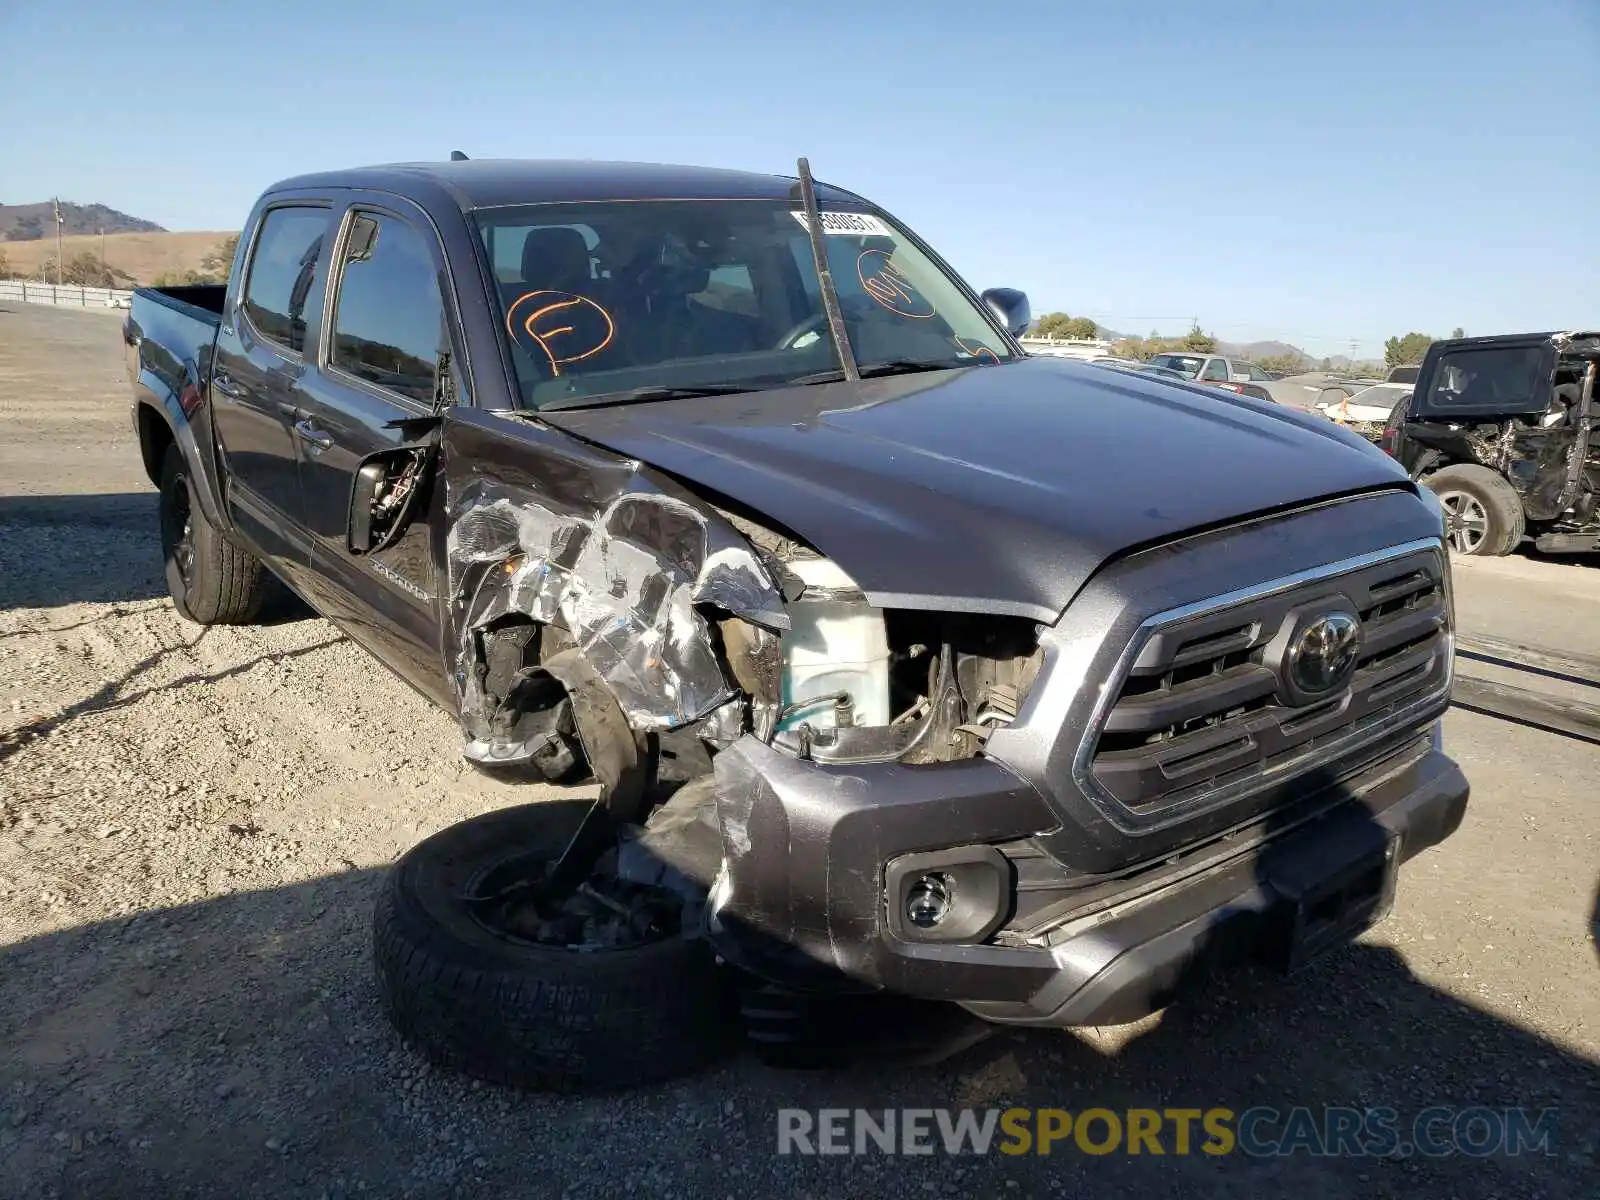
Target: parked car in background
[
  {"x": 1402, "y": 374},
  {"x": 1502, "y": 429},
  {"x": 1233, "y": 374},
  {"x": 1364, "y": 411},
  {"x": 1373, "y": 403}
]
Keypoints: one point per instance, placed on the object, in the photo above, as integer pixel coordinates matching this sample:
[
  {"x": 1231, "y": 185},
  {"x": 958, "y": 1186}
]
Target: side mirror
[
  {"x": 363, "y": 495},
  {"x": 1011, "y": 306}
]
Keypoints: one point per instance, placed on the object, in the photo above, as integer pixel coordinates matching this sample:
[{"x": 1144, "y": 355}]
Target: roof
[{"x": 490, "y": 182}]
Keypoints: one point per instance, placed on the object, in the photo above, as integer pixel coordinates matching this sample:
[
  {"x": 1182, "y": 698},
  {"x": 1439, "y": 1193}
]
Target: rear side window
[
  {"x": 1184, "y": 364},
  {"x": 284, "y": 284},
  {"x": 387, "y": 317},
  {"x": 1497, "y": 379}
]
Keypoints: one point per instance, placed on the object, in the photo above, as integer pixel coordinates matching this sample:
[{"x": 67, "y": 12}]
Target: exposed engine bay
[{"x": 791, "y": 651}]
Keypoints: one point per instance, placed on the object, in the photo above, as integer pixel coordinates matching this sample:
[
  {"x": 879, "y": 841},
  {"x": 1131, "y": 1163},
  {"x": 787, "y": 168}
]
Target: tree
[
  {"x": 217, "y": 261},
  {"x": 1199, "y": 341},
  {"x": 82, "y": 270},
  {"x": 1060, "y": 325},
  {"x": 1282, "y": 364},
  {"x": 5, "y": 264},
  {"x": 1458, "y": 332},
  {"x": 1407, "y": 351}
]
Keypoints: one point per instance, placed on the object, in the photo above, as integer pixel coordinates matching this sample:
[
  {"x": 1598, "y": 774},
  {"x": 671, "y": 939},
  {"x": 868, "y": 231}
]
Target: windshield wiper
[
  {"x": 642, "y": 395},
  {"x": 887, "y": 366}
]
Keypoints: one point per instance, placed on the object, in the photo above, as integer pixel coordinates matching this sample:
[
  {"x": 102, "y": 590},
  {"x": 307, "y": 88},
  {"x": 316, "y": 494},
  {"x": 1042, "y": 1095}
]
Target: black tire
[
  {"x": 538, "y": 1017},
  {"x": 1484, "y": 511},
  {"x": 212, "y": 580}
]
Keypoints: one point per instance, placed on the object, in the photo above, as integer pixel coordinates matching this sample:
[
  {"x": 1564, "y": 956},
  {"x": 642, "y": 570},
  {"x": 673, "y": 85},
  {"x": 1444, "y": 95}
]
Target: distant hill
[
  {"x": 1246, "y": 350},
  {"x": 136, "y": 257},
  {"x": 1253, "y": 350},
  {"x": 31, "y": 222}
]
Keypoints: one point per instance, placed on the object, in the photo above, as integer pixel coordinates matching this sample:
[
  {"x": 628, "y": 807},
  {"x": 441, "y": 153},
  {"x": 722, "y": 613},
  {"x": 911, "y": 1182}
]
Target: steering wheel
[{"x": 800, "y": 328}]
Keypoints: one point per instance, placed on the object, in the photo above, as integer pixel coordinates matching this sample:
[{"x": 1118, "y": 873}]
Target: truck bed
[
  {"x": 170, "y": 334},
  {"x": 207, "y": 297}
]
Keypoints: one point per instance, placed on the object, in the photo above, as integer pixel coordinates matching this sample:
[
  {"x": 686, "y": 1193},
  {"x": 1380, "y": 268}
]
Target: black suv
[{"x": 1502, "y": 429}]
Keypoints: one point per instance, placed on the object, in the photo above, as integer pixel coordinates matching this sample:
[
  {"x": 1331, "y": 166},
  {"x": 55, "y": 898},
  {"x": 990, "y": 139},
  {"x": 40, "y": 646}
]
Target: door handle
[
  {"x": 293, "y": 411},
  {"x": 319, "y": 439},
  {"x": 222, "y": 383}
]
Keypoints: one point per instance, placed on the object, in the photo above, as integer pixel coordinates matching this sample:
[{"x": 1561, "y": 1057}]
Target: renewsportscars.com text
[{"x": 1258, "y": 1132}]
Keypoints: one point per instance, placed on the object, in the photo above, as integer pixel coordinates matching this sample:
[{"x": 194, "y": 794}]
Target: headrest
[{"x": 556, "y": 258}]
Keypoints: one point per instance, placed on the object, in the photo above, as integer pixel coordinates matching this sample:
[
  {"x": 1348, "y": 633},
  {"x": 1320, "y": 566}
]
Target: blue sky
[{"x": 1314, "y": 171}]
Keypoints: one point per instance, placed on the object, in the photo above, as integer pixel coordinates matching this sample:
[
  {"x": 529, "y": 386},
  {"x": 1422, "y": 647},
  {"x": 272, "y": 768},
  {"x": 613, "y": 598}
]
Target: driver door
[{"x": 370, "y": 399}]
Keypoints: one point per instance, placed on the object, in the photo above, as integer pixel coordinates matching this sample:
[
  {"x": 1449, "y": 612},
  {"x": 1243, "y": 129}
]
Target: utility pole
[{"x": 56, "y": 204}]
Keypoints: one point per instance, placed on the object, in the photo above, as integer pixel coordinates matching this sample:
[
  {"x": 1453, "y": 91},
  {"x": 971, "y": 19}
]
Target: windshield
[
  {"x": 603, "y": 298},
  {"x": 1187, "y": 365}
]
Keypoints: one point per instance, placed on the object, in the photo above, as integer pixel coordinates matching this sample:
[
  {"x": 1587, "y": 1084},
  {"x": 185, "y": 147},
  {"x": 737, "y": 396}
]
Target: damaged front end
[{"x": 605, "y": 621}]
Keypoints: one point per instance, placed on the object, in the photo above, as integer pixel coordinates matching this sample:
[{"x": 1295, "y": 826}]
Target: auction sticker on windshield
[{"x": 849, "y": 224}]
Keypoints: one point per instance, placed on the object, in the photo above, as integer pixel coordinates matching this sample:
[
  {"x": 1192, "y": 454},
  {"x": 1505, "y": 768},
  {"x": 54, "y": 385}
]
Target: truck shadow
[
  {"x": 95, "y": 549},
  {"x": 235, "y": 1046},
  {"x": 74, "y": 549}
]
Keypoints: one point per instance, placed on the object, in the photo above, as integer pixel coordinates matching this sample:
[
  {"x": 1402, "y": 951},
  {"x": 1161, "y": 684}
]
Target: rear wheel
[
  {"x": 1483, "y": 513},
  {"x": 212, "y": 580}
]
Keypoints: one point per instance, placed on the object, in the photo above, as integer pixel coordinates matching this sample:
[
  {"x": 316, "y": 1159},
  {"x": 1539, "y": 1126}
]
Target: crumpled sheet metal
[{"x": 626, "y": 584}]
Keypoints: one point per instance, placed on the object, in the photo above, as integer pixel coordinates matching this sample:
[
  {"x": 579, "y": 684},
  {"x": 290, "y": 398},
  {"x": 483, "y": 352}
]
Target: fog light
[{"x": 928, "y": 900}]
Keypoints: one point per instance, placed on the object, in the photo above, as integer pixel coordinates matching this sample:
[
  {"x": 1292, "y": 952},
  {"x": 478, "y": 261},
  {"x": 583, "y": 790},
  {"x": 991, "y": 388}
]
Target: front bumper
[{"x": 808, "y": 849}]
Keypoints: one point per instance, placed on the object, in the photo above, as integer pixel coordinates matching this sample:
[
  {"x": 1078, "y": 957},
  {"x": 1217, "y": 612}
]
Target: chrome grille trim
[{"x": 1416, "y": 709}]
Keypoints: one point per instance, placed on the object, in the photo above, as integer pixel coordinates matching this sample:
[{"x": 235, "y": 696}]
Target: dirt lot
[{"x": 192, "y": 826}]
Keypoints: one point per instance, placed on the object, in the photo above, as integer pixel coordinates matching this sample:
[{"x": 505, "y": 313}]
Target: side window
[
  {"x": 284, "y": 285},
  {"x": 387, "y": 317},
  {"x": 1216, "y": 370},
  {"x": 1497, "y": 379}
]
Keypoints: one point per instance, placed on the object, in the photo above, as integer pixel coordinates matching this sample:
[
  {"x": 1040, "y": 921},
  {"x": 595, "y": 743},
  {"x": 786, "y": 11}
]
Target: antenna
[
  {"x": 825, "y": 288},
  {"x": 458, "y": 156}
]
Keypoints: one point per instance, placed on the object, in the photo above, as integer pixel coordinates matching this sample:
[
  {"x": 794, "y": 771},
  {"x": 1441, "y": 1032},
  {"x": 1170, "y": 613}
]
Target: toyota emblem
[{"x": 1322, "y": 656}]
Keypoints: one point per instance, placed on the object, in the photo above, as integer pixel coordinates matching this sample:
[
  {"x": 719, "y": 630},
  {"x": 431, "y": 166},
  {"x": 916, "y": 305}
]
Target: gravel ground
[{"x": 193, "y": 824}]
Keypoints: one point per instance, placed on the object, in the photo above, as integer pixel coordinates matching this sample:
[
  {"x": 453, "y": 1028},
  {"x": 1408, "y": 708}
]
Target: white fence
[{"x": 70, "y": 295}]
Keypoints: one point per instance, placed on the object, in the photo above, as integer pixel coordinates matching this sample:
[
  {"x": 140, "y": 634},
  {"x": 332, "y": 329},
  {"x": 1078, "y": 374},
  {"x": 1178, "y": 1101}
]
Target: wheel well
[{"x": 155, "y": 435}]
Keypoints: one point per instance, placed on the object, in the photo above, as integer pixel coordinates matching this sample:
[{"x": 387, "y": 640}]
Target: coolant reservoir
[{"x": 835, "y": 643}]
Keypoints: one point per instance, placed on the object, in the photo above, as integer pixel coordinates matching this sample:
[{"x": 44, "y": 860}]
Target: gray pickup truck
[{"x": 905, "y": 663}]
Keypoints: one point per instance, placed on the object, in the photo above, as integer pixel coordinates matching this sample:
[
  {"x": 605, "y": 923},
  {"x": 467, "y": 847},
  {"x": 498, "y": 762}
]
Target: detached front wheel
[
  {"x": 1483, "y": 513},
  {"x": 212, "y": 580},
  {"x": 488, "y": 970}
]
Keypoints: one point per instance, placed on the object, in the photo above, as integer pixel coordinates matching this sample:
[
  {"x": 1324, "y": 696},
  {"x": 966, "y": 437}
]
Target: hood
[{"x": 990, "y": 489}]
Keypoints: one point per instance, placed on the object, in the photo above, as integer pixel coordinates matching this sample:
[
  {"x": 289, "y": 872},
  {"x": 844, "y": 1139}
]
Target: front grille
[{"x": 1198, "y": 714}]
